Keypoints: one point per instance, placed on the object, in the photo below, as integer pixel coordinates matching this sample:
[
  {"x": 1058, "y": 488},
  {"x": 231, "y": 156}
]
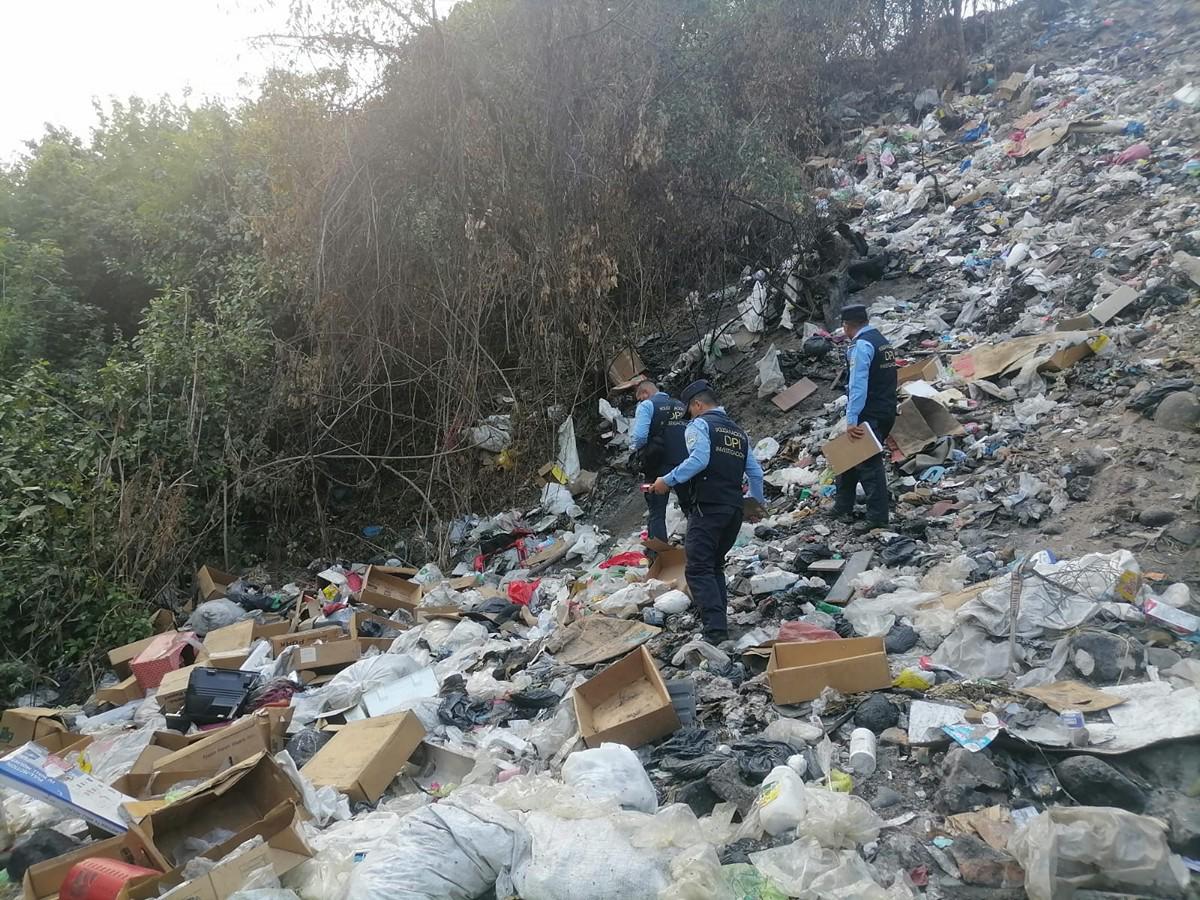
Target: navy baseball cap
[
  {"x": 856, "y": 314},
  {"x": 696, "y": 387}
]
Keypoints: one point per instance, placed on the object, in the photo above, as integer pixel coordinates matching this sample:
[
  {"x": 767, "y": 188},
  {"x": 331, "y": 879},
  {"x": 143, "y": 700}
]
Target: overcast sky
[{"x": 60, "y": 54}]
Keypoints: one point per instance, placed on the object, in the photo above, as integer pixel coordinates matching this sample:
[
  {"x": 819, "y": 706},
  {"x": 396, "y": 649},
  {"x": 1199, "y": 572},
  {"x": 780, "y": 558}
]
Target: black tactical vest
[
  {"x": 881, "y": 379},
  {"x": 720, "y": 484}
]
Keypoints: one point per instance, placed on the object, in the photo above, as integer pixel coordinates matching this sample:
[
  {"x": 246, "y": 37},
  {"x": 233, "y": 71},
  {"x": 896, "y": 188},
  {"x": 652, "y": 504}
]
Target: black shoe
[
  {"x": 715, "y": 637},
  {"x": 839, "y": 516},
  {"x": 871, "y": 525}
]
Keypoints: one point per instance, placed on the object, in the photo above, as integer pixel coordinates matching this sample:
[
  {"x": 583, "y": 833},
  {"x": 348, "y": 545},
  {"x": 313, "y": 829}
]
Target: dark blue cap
[
  {"x": 696, "y": 387},
  {"x": 856, "y": 314}
]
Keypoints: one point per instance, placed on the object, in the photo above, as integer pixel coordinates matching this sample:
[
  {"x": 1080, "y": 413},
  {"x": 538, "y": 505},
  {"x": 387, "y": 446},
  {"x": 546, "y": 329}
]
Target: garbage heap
[{"x": 997, "y": 696}]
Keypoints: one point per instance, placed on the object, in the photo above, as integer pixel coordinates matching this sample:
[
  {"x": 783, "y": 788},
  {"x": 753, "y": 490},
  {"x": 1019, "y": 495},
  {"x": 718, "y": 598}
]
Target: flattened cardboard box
[
  {"x": 924, "y": 370},
  {"x": 228, "y": 647},
  {"x": 627, "y": 703},
  {"x": 921, "y": 421},
  {"x": 800, "y": 671},
  {"x": 325, "y": 658},
  {"x": 844, "y": 452},
  {"x": 122, "y": 692},
  {"x": 237, "y": 800},
  {"x": 220, "y": 748},
  {"x": 390, "y": 592},
  {"x": 364, "y": 756},
  {"x": 669, "y": 566}
]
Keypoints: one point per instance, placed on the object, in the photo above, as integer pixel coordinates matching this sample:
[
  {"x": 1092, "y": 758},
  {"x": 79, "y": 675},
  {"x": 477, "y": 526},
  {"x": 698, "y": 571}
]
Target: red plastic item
[
  {"x": 521, "y": 592},
  {"x": 628, "y": 558},
  {"x": 805, "y": 632},
  {"x": 100, "y": 879}
]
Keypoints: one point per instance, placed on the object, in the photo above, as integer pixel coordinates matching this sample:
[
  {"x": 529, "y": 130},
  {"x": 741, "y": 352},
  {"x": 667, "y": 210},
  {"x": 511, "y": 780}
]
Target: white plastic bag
[
  {"x": 348, "y": 686},
  {"x": 626, "y": 602},
  {"x": 452, "y": 850},
  {"x": 766, "y": 449},
  {"x": 837, "y": 820},
  {"x": 611, "y": 772},
  {"x": 672, "y": 602},
  {"x": 793, "y": 868},
  {"x": 770, "y": 376},
  {"x": 1068, "y": 848},
  {"x": 557, "y": 499}
]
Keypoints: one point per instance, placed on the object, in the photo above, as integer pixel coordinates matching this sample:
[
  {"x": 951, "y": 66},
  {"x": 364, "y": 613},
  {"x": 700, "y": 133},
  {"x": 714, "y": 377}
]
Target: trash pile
[{"x": 999, "y": 692}]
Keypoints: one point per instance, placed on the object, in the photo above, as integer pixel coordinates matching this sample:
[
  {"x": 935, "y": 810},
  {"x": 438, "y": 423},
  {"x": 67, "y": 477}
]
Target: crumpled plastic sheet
[
  {"x": 796, "y": 868},
  {"x": 327, "y": 875},
  {"x": 452, "y": 850},
  {"x": 113, "y": 755},
  {"x": 1068, "y": 848},
  {"x": 325, "y": 804},
  {"x": 626, "y": 602},
  {"x": 873, "y": 616},
  {"x": 791, "y": 479},
  {"x": 1090, "y": 580},
  {"x": 213, "y": 614},
  {"x": 695, "y": 652},
  {"x": 557, "y": 499},
  {"x": 973, "y": 652}
]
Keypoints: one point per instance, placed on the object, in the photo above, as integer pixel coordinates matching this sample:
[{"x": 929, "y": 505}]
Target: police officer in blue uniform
[
  {"x": 871, "y": 402},
  {"x": 658, "y": 432},
  {"x": 718, "y": 457}
]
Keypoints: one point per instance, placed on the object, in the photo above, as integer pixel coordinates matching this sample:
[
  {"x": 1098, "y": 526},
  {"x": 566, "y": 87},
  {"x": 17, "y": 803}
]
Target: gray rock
[
  {"x": 1088, "y": 461},
  {"x": 1093, "y": 782},
  {"x": 1156, "y": 516},
  {"x": 1186, "y": 533},
  {"x": 1178, "y": 412},
  {"x": 885, "y": 797},
  {"x": 979, "y": 864},
  {"x": 1105, "y": 658},
  {"x": 876, "y": 713},
  {"x": 900, "y": 639},
  {"x": 1182, "y": 815},
  {"x": 969, "y": 780},
  {"x": 1161, "y": 658}
]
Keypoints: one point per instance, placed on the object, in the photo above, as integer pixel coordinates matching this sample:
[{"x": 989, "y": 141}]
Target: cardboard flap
[{"x": 921, "y": 421}]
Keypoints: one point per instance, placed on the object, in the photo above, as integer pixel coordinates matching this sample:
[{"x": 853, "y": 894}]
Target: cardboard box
[
  {"x": 283, "y": 850},
  {"x": 1179, "y": 621},
  {"x": 211, "y": 582},
  {"x": 43, "y": 880},
  {"x": 364, "y": 756},
  {"x": 626, "y": 370},
  {"x": 920, "y": 422},
  {"x": 173, "y": 686},
  {"x": 228, "y": 647},
  {"x": 391, "y": 592},
  {"x": 34, "y": 771},
  {"x": 925, "y": 370},
  {"x": 627, "y": 703},
  {"x": 669, "y": 566},
  {"x": 219, "y": 748},
  {"x": 122, "y": 692},
  {"x": 388, "y": 625},
  {"x": 120, "y": 657},
  {"x": 166, "y": 652},
  {"x": 237, "y": 799},
  {"x": 281, "y": 642},
  {"x": 844, "y": 452},
  {"x": 800, "y": 671},
  {"x": 325, "y": 658},
  {"x": 23, "y": 724},
  {"x": 62, "y": 743}
]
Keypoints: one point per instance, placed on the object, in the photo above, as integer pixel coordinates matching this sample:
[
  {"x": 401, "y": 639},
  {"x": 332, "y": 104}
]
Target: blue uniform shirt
[
  {"x": 698, "y": 452},
  {"x": 860, "y": 355},
  {"x": 642, "y": 417}
]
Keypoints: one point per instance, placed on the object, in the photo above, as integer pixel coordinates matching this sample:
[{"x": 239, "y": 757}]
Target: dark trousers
[
  {"x": 711, "y": 533},
  {"x": 656, "y": 524},
  {"x": 872, "y": 475}
]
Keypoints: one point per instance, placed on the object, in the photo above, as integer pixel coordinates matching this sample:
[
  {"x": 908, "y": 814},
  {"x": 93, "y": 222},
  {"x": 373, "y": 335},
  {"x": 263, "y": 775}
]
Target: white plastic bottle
[
  {"x": 780, "y": 802},
  {"x": 862, "y": 751}
]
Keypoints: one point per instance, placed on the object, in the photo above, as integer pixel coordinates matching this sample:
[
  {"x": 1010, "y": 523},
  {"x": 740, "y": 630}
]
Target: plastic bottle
[
  {"x": 780, "y": 802},
  {"x": 862, "y": 751}
]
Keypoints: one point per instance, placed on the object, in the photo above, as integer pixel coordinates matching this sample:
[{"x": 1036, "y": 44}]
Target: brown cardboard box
[
  {"x": 122, "y": 692},
  {"x": 43, "y": 880},
  {"x": 268, "y": 630},
  {"x": 627, "y": 703},
  {"x": 171, "y": 689},
  {"x": 283, "y": 850},
  {"x": 281, "y": 642},
  {"x": 384, "y": 591},
  {"x": 626, "y": 370},
  {"x": 61, "y": 743},
  {"x": 924, "y": 370},
  {"x": 364, "y": 756},
  {"x": 325, "y": 658},
  {"x": 219, "y": 748},
  {"x": 211, "y": 582},
  {"x": 921, "y": 421},
  {"x": 366, "y": 643},
  {"x": 120, "y": 657},
  {"x": 795, "y": 394},
  {"x": 844, "y": 452},
  {"x": 237, "y": 799},
  {"x": 801, "y": 671},
  {"x": 668, "y": 566},
  {"x": 228, "y": 647},
  {"x": 22, "y": 724}
]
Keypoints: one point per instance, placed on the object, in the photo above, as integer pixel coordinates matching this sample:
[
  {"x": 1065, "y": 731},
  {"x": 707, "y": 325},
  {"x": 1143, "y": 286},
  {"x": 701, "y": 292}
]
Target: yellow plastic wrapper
[
  {"x": 840, "y": 781},
  {"x": 914, "y": 680}
]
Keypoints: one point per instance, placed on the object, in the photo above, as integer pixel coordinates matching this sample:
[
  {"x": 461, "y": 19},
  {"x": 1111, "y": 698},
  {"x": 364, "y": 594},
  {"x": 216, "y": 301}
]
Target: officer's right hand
[
  {"x": 660, "y": 486},
  {"x": 856, "y": 432}
]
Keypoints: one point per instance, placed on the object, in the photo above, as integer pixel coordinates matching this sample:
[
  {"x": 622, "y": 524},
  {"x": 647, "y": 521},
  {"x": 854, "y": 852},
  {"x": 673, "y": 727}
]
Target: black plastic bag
[
  {"x": 758, "y": 756},
  {"x": 303, "y": 745}
]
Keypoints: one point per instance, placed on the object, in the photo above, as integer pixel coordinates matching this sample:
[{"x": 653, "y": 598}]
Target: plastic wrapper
[
  {"x": 696, "y": 875},
  {"x": 837, "y": 820},
  {"x": 873, "y": 616},
  {"x": 584, "y": 859},
  {"x": 327, "y": 875},
  {"x": 974, "y": 652},
  {"x": 1066, "y": 849},
  {"x": 611, "y": 772},
  {"x": 110, "y": 756},
  {"x": 213, "y": 614},
  {"x": 795, "y": 868},
  {"x": 451, "y": 850},
  {"x": 325, "y": 803},
  {"x": 625, "y": 603},
  {"x": 695, "y": 652},
  {"x": 796, "y": 732},
  {"x": 466, "y": 633}
]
